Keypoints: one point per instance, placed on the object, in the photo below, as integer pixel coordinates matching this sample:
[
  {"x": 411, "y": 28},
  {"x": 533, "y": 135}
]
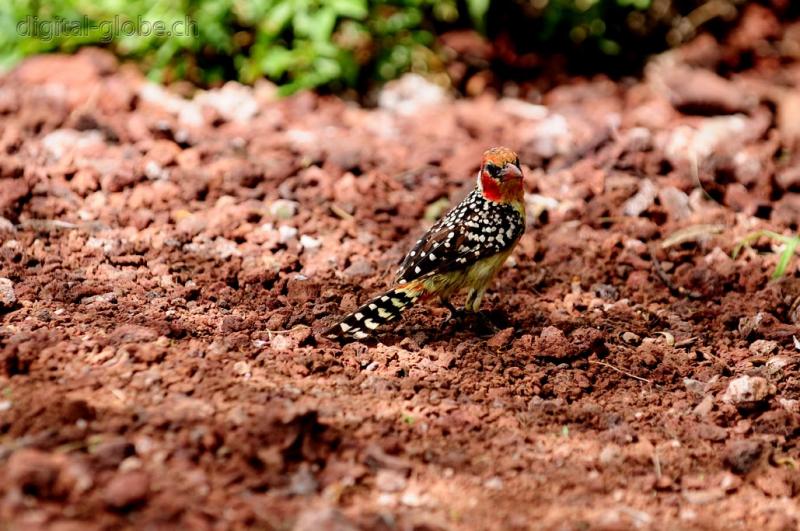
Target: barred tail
[{"x": 380, "y": 310}]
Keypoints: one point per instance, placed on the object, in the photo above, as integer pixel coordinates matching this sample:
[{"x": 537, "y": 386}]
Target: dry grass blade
[
  {"x": 693, "y": 233},
  {"x": 626, "y": 373}
]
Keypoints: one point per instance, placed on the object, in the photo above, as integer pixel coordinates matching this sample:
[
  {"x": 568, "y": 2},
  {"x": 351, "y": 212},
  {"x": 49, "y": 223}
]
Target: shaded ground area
[{"x": 167, "y": 258}]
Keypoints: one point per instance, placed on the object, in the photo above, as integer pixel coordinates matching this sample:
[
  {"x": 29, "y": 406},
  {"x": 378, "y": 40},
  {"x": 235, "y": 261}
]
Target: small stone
[
  {"x": 286, "y": 233},
  {"x": 303, "y": 482},
  {"x": 763, "y": 347},
  {"x": 309, "y": 243},
  {"x": 552, "y": 343},
  {"x": 232, "y": 323},
  {"x": 493, "y": 483},
  {"x": 127, "y": 490},
  {"x": 33, "y": 472},
  {"x": 742, "y": 455},
  {"x": 281, "y": 342},
  {"x": 746, "y": 390},
  {"x": 323, "y": 519},
  {"x": 777, "y": 363},
  {"x": 675, "y": 202},
  {"x": 704, "y": 407},
  {"x": 7, "y": 296},
  {"x": 283, "y": 209},
  {"x": 387, "y": 480},
  {"x": 642, "y": 200},
  {"x": 242, "y": 368},
  {"x": 501, "y": 338},
  {"x": 410, "y": 94},
  {"x": 610, "y": 454},
  {"x": 359, "y": 267},
  {"x": 694, "y": 386},
  {"x": 631, "y": 338}
]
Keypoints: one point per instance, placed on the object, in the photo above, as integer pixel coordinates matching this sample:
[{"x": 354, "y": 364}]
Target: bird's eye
[{"x": 492, "y": 170}]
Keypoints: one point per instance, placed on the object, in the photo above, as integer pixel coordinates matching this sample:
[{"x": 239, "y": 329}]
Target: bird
[{"x": 463, "y": 250}]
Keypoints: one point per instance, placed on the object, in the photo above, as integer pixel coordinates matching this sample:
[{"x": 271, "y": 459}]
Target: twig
[
  {"x": 626, "y": 373},
  {"x": 340, "y": 212}
]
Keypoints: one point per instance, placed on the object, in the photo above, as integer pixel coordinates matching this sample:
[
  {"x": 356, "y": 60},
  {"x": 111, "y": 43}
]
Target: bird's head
[{"x": 500, "y": 178}]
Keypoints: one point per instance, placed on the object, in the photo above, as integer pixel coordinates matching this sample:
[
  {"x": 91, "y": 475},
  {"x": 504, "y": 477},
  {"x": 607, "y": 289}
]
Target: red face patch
[{"x": 491, "y": 188}]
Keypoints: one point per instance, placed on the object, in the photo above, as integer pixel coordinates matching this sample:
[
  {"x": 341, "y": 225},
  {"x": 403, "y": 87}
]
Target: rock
[
  {"x": 675, "y": 202},
  {"x": 700, "y": 91},
  {"x": 111, "y": 453},
  {"x": 631, "y": 338},
  {"x": 283, "y": 209},
  {"x": 763, "y": 347},
  {"x": 286, "y": 233},
  {"x": 788, "y": 119},
  {"x": 359, "y": 267},
  {"x": 642, "y": 200},
  {"x": 323, "y": 519},
  {"x": 704, "y": 407},
  {"x": 33, "y": 472},
  {"x": 242, "y": 368},
  {"x": 7, "y": 296},
  {"x": 743, "y": 455},
  {"x": 60, "y": 142},
  {"x": 777, "y": 363},
  {"x": 387, "y": 480},
  {"x": 308, "y": 243},
  {"x": 127, "y": 490},
  {"x": 746, "y": 390},
  {"x": 303, "y": 482},
  {"x": 129, "y": 333},
  {"x": 409, "y": 94},
  {"x": 501, "y": 338},
  {"x": 686, "y": 143},
  {"x": 234, "y": 102},
  {"x": 232, "y": 323},
  {"x": 552, "y": 343},
  {"x": 548, "y": 137}
]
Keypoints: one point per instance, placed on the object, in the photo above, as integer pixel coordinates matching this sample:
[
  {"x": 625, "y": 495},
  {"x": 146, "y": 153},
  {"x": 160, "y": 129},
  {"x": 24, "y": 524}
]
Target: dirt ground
[{"x": 166, "y": 261}]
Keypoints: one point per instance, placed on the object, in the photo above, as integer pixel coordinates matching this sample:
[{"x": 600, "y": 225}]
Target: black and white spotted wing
[{"x": 474, "y": 229}]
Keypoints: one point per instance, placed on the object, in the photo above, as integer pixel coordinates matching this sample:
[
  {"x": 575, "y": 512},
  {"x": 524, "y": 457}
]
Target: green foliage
[
  {"x": 790, "y": 244},
  {"x": 299, "y": 44}
]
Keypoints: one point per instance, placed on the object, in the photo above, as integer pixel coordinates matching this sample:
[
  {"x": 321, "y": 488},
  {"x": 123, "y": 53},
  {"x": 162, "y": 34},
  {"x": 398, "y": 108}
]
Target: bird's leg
[
  {"x": 455, "y": 314},
  {"x": 484, "y": 326}
]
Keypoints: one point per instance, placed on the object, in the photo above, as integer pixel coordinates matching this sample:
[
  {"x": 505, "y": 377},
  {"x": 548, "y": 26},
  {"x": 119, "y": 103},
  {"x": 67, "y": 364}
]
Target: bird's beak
[{"x": 511, "y": 172}]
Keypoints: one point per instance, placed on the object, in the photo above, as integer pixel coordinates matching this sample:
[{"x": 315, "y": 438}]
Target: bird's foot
[
  {"x": 484, "y": 327},
  {"x": 456, "y": 316}
]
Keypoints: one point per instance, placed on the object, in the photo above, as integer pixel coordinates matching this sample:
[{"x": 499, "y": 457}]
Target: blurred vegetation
[{"x": 334, "y": 43}]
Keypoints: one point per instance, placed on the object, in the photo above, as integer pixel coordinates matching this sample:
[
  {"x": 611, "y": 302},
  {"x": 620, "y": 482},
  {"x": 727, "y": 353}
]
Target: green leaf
[
  {"x": 477, "y": 10},
  {"x": 350, "y": 8},
  {"x": 786, "y": 257}
]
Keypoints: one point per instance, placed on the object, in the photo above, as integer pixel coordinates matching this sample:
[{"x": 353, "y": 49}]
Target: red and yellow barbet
[{"x": 463, "y": 250}]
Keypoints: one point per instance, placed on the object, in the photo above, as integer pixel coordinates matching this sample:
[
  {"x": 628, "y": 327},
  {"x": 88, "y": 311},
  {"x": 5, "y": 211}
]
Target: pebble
[
  {"x": 33, "y": 471},
  {"x": 127, "y": 490},
  {"x": 323, "y": 519},
  {"x": 746, "y": 390},
  {"x": 286, "y": 233},
  {"x": 642, "y": 200},
  {"x": 763, "y": 347},
  {"x": 387, "y": 480},
  {"x": 7, "y": 296},
  {"x": 552, "y": 343},
  {"x": 309, "y": 243},
  {"x": 743, "y": 455},
  {"x": 409, "y": 94},
  {"x": 283, "y": 209}
]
